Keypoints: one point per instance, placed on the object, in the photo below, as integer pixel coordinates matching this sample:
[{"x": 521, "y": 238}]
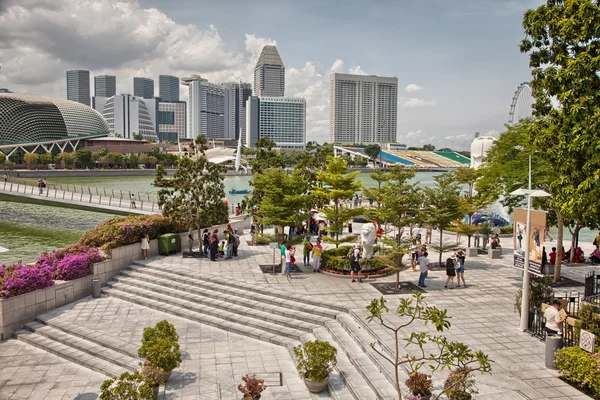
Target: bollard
[
  {"x": 96, "y": 288},
  {"x": 553, "y": 344}
]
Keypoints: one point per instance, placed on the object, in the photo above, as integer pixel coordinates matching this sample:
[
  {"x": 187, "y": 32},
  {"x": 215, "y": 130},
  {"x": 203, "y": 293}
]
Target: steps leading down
[{"x": 285, "y": 319}]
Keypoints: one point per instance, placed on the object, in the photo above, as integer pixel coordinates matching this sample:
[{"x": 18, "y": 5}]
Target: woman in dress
[
  {"x": 450, "y": 272},
  {"x": 460, "y": 271},
  {"x": 145, "y": 245}
]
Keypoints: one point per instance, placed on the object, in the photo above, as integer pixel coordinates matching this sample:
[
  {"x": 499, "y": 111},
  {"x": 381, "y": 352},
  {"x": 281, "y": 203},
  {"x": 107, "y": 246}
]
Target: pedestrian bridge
[{"x": 52, "y": 196}]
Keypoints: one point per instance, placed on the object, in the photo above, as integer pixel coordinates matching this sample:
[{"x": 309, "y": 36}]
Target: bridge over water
[{"x": 52, "y": 196}]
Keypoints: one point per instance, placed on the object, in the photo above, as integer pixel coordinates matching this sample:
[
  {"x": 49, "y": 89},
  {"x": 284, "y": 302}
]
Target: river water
[{"x": 26, "y": 230}]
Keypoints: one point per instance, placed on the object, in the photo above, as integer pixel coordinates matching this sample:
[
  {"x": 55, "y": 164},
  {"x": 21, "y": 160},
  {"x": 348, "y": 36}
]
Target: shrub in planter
[
  {"x": 17, "y": 279},
  {"x": 160, "y": 346},
  {"x": 153, "y": 375},
  {"x": 580, "y": 368},
  {"x": 460, "y": 385},
  {"x": 337, "y": 260},
  {"x": 251, "y": 387},
  {"x": 506, "y": 229},
  {"x": 128, "y": 386},
  {"x": 419, "y": 384},
  {"x": 71, "y": 262},
  {"x": 316, "y": 360},
  {"x": 588, "y": 320}
]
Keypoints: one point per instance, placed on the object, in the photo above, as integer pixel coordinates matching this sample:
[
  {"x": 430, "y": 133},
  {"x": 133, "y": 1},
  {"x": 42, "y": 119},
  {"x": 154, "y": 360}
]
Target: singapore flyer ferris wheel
[{"x": 521, "y": 106}]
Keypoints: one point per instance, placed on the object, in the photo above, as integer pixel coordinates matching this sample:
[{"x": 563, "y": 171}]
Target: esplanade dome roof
[{"x": 29, "y": 118}]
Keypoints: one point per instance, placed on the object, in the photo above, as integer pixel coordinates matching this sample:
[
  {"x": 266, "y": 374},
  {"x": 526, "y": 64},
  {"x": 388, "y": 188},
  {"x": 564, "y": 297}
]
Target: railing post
[
  {"x": 72, "y": 194},
  {"x": 120, "y": 200},
  {"x": 104, "y": 192},
  {"x": 97, "y": 192},
  {"x": 81, "y": 197},
  {"x": 11, "y": 184},
  {"x": 99, "y": 199},
  {"x": 90, "y": 198},
  {"x": 109, "y": 200},
  {"x": 32, "y": 190},
  {"x": 142, "y": 204},
  {"x": 17, "y": 188},
  {"x": 64, "y": 194}
]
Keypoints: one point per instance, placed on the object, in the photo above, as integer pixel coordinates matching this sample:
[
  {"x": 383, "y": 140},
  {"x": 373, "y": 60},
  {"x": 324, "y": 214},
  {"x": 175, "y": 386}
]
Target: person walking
[
  {"x": 547, "y": 233},
  {"x": 428, "y": 232},
  {"x": 205, "y": 242},
  {"x": 316, "y": 252},
  {"x": 190, "y": 239},
  {"x": 450, "y": 271},
  {"x": 460, "y": 272},
  {"x": 477, "y": 239},
  {"x": 253, "y": 234},
  {"x": 423, "y": 268},
  {"x": 306, "y": 249},
  {"x": 355, "y": 264},
  {"x": 145, "y": 245},
  {"x": 289, "y": 253}
]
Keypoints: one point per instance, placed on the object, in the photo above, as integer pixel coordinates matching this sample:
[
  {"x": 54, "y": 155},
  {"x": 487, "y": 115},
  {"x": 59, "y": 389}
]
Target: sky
[{"x": 458, "y": 62}]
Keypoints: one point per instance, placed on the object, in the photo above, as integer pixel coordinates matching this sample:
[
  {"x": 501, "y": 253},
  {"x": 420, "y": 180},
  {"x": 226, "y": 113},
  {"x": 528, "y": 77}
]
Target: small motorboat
[{"x": 243, "y": 191}]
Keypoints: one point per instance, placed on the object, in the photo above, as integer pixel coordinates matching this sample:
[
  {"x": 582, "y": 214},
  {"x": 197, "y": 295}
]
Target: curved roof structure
[{"x": 28, "y": 118}]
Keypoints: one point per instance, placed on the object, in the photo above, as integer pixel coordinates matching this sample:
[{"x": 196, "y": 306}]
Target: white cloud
[
  {"x": 357, "y": 70},
  {"x": 415, "y": 133},
  {"x": 413, "y": 87},
  {"x": 414, "y": 102}
]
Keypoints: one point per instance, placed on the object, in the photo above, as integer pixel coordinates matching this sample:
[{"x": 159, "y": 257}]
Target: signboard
[
  {"x": 273, "y": 245},
  {"x": 536, "y": 233},
  {"x": 534, "y": 267},
  {"x": 586, "y": 341}
]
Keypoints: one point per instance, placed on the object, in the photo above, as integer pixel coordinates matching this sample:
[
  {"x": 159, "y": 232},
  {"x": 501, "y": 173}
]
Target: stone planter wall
[{"x": 19, "y": 310}]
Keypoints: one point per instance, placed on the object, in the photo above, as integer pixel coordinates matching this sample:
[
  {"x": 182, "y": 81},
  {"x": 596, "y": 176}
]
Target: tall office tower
[
  {"x": 105, "y": 85},
  {"x": 282, "y": 119},
  {"x": 206, "y": 108},
  {"x": 364, "y": 109},
  {"x": 143, "y": 87},
  {"x": 78, "y": 86},
  {"x": 171, "y": 120},
  {"x": 252, "y": 120},
  {"x": 236, "y": 95},
  {"x": 168, "y": 87},
  {"x": 127, "y": 114},
  {"x": 269, "y": 74}
]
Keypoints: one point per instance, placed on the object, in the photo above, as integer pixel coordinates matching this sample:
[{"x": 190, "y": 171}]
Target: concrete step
[
  {"x": 216, "y": 307},
  {"x": 360, "y": 359},
  {"x": 97, "y": 337},
  {"x": 354, "y": 381},
  {"x": 69, "y": 353},
  {"x": 307, "y": 303},
  {"x": 242, "y": 325},
  {"x": 228, "y": 295}
]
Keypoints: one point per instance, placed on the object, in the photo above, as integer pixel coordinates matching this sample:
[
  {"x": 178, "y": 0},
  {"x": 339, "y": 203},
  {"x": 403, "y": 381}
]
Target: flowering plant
[
  {"x": 20, "y": 278},
  {"x": 251, "y": 386},
  {"x": 419, "y": 384}
]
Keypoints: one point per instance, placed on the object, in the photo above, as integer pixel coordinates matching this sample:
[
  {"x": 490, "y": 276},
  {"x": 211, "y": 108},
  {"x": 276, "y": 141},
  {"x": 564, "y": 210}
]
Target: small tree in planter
[
  {"x": 128, "y": 386},
  {"x": 446, "y": 355},
  {"x": 154, "y": 376},
  {"x": 161, "y": 348},
  {"x": 251, "y": 387},
  {"x": 316, "y": 360},
  {"x": 460, "y": 384}
]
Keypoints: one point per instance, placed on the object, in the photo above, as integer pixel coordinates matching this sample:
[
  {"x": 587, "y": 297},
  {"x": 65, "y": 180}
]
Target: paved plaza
[{"x": 215, "y": 359}]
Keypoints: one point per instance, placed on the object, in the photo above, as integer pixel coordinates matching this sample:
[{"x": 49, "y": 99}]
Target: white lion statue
[{"x": 367, "y": 239}]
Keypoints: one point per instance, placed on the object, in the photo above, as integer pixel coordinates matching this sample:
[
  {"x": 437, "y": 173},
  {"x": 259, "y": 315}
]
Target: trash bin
[
  {"x": 96, "y": 288},
  {"x": 169, "y": 243},
  {"x": 553, "y": 344}
]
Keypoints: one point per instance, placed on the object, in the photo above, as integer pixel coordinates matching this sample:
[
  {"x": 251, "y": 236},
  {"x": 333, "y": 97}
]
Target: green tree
[
  {"x": 2, "y": 158},
  {"x": 199, "y": 189},
  {"x": 152, "y": 160},
  {"x": 31, "y": 159},
  {"x": 473, "y": 201},
  {"x": 103, "y": 151},
  {"x": 45, "y": 159},
  {"x": 373, "y": 150},
  {"x": 84, "y": 157},
  {"x": 116, "y": 159},
  {"x": 138, "y": 136},
  {"x": 442, "y": 204},
  {"x": 266, "y": 156},
  {"x": 143, "y": 159},
  {"x": 68, "y": 159},
  {"x": 132, "y": 161},
  {"x": 96, "y": 156},
  {"x": 335, "y": 185},
  {"x": 429, "y": 147}
]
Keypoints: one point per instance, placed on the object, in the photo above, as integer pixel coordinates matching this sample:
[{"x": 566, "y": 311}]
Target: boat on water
[{"x": 243, "y": 191}]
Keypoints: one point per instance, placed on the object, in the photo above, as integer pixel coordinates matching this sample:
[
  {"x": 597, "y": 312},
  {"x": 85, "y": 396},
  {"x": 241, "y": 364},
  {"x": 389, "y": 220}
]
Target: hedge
[
  {"x": 337, "y": 259},
  {"x": 580, "y": 368}
]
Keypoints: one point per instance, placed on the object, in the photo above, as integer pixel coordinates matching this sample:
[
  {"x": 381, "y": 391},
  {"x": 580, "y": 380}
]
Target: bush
[
  {"x": 71, "y": 262},
  {"x": 127, "y": 386},
  {"x": 540, "y": 291},
  {"x": 160, "y": 346},
  {"x": 316, "y": 359},
  {"x": 588, "y": 320},
  {"x": 506, "y": 229},
  {"x": 580, "y": 368},
  {"x": 17, "y": 279},
  {"x": 122, "y": 231},
  {"x": 419, "y": 384},
  {"x": 337, "y": 259}
]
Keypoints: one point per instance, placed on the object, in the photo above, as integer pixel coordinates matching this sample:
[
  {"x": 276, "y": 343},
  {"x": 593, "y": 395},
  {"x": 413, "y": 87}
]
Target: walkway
[{"x": 18, "y": 192}]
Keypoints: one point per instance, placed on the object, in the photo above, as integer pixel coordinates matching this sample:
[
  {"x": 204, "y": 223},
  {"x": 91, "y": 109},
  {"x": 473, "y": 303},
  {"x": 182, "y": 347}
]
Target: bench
[{"x": 494, "y": 253}]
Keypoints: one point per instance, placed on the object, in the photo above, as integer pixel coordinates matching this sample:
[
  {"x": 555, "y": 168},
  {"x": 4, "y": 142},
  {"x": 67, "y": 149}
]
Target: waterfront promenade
[{"x": 217, "y": 353}]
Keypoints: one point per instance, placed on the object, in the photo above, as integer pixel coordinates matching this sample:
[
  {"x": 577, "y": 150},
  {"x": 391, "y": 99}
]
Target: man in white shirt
[
  {"x": 417, "y": 233},
  {"x": 423, "y": 268},
  {"x": 553, "y": 318}
]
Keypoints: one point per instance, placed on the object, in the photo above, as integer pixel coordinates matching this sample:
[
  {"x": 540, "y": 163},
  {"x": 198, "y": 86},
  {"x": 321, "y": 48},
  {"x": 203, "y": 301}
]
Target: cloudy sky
[{"x": 457, "y": 62}]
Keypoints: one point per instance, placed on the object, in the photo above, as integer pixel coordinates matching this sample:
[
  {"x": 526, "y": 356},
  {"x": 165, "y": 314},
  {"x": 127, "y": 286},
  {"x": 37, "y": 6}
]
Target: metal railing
[
  {"x": 591, "y": 292},
  {"x": 120, "y": 200},
  {"x": 536, "y": 327}
]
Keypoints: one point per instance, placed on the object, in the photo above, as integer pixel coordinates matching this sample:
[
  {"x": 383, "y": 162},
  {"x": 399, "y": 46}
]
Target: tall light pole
[{"x": 526, "y": 278}]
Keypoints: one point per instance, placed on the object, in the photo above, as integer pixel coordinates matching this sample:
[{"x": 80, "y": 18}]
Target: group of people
[
  {"x": 455, "y": 267},
  {"x": 288, "y": 255},
  {"x": 41, "y": 184},
  {"x": 226, "y": 249}
]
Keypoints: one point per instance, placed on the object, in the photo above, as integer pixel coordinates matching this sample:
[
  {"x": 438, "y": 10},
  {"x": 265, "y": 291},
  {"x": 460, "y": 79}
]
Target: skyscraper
[
  {"x": 78, "y": 86},
  {"x": 269, "y": 74},
  {"x": 171, "y": 120},
  {"x": 236, "y": 95},
  {"x": 143, "y": 87},
  {"x": 282, "y": 119},
  {"x": 168, "y": 87},
  {"x": 364, "y": 109},
  {"x": 105, "y": 85},
  {"x": 206, "y": 108},
  {"x": 127, "y": 115}
]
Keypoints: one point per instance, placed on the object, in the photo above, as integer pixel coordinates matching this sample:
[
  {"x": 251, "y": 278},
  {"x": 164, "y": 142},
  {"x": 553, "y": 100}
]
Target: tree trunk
[
  {"x": 441, "y": 233},
  {"x": 574, "y": 235},
  {"x": 559, "y": 248}
]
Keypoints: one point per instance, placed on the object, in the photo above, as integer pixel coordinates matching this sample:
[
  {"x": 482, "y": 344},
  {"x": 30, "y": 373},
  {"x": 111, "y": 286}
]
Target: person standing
[
  {"x": 145, "y": 245},
  {"x": 40, "y": 186},
  {"x": 283, "y": 248},
  {"x": 228, "y": 245},
  {"x": 190, "y": 239},
  {"x": 306, "y": 249},
  {"x": 205, "y": 242},
  {"x": 132, "y": 201},
  {"x": 289, "y": 253},
  {"x": 428, "y": 232},
  {"x": 417, "y": 234},
  {"x": 214, "y": 245},
  {"x": 536, "y": 237},
  {"x": 316, "y": 252},
  {"x": 350, "y": 225},
  {"x": 355, "y": 264},
  {"x": 460, "y": 272},
  {"x": 450, "y": 272},
  {"x": 520, "y": 238},
  {"x": 553, "y": 318},
  {"x": 236, "y": 243},
  {"x": 253, "y": 234},
  {"x": 5, "y": 177},
  {"x": 597, "y": 241},
  {"x": 547, "y": 233},
  {"x": 477, "y": 238},
  {"x": 423, "y": 268}
]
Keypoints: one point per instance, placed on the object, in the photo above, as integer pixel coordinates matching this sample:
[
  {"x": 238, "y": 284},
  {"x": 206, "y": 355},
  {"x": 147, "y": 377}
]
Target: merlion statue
[{"x": 367, "y": 239}]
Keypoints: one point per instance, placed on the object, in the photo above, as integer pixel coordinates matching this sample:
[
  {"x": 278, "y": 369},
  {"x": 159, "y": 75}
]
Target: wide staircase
[{"x": 282, "y": 318}]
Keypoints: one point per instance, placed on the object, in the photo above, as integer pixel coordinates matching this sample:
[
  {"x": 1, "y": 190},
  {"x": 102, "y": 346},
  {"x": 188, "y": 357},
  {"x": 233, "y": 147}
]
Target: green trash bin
[{"x": 169, "y": 243}]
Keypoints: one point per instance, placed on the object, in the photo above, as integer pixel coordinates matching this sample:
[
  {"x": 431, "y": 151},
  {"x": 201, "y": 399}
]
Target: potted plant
[
  {"x": 460, "y": 385},
  {"x": 154, "y": 376},
  {"x": 160, "y": 347},
  {"x": 316, "y": 360},
  {"x": 127, "y": 386},
  {"x": 419, "y": 386},
  {"x": 251, "y": 387}
]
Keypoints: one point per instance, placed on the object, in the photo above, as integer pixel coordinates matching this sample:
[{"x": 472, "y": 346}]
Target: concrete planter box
[
  {"x": 472, "y": 251},
  {"x": 494, "y": 253}
]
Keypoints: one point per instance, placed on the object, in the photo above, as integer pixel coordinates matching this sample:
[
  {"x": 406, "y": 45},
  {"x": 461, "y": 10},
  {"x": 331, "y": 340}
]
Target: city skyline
[{"x": 457, "y": 66}]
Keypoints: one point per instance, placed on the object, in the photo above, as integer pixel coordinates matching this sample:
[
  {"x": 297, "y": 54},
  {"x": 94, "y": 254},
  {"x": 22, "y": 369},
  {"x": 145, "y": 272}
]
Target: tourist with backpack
[
  {"x": 355, "y": 263},
  {"x": 307, "y": 248}
]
